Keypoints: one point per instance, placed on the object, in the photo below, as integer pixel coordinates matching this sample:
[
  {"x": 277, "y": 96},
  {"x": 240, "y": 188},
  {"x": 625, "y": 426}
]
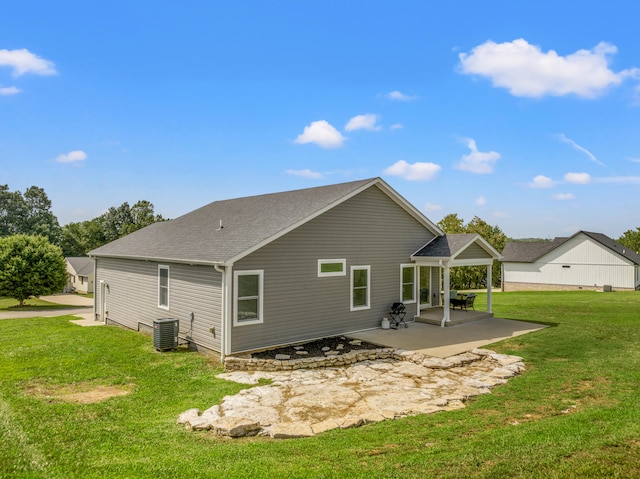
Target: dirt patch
[
  {"x": 336, "y": 346},
  {"x": 77, "y": 393}
]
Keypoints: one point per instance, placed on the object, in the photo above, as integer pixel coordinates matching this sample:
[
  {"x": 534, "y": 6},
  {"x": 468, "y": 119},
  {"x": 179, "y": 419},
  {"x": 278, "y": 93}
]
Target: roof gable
[
  {"x": 529, "y": 252},
  {"x": 225, "y": 231},
  {"x": 82, "y": 265},
  {"x": 453, "y": 247}
]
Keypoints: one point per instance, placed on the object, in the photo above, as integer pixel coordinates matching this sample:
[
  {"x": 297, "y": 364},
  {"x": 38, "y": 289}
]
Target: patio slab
[{"x": 444, "y": 342}]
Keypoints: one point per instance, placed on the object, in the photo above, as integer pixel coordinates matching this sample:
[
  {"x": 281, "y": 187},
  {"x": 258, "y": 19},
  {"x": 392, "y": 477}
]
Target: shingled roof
[
  {"x": 224, "y": 231},
  {"x": 530, "y": 251}
]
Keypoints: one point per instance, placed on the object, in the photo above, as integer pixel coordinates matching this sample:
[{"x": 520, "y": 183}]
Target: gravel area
[{"x": 334, "y": 346}]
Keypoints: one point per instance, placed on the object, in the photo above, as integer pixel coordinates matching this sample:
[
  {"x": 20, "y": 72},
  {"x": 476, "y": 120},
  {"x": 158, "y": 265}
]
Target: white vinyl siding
[
  {"x": 247, "y": 291},
  {"x": 332, "y": 267},
  {"x": 360, "y": 287},
  {"x": 407, "y": 283},
  {"x": 580, "y": 262},
  {"x": 163, "y": 287}
]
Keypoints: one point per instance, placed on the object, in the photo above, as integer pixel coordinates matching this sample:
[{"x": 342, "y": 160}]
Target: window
[
  {"x": 408, "y": 283},
  {"x": 163, "y": 287},
  {"x": 247, "y": 290},
  {"x": 360, "y": 290},
  {"x": 332, "y": 267}
]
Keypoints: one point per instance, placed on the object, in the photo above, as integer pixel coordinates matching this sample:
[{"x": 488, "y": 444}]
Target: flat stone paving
[{"x": 303, "y": 403}]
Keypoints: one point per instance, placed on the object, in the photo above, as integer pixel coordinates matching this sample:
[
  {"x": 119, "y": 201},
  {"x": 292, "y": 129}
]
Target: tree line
[{"x": 30, "y": 213}]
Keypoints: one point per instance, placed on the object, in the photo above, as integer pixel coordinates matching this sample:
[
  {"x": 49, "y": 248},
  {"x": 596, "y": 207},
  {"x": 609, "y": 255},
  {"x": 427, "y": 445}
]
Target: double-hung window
[
  {"x": 360, "y": 287},
  {"x": 408, "y": 283},
  {"x": 163, "y": 287},
  {"x": 247, "y": 288}
]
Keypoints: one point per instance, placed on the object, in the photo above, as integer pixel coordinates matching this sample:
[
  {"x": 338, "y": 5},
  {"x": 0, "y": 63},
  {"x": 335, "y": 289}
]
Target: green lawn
[{"x": 574, "y": 413}]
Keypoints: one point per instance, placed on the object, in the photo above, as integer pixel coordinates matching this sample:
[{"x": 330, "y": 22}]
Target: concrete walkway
[
  {"x": 444, "y": 342},
  {"x": 77, "y": 306}
]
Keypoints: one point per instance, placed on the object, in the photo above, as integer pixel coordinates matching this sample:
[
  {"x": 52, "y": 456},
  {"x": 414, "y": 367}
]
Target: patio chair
[
  {"x": 468, "y": 301},
  {"x": 456, "y": 300}
]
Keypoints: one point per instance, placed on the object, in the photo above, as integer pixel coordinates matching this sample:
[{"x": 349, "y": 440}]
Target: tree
[
  {"x": 28, "y": 214},
  {"x": 631, "y": 239},
  {"x": 30, "y": 266},
  {"x": 79, "y": 238}
]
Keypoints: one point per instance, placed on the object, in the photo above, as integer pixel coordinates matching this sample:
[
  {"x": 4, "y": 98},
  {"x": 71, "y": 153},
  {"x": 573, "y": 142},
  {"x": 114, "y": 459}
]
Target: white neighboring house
[
  {"x": 80, "y": 274},
  {"x": 583, "y": 261}
]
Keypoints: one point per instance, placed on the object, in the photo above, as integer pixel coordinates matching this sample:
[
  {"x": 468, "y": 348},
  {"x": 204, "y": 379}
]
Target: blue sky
[{"x": 525, "y": 114}]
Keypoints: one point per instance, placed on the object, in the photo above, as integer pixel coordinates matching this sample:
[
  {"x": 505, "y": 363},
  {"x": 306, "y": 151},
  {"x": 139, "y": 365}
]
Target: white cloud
[
  {"x": 9, "y": 90},
  {"x": 573, "y": 144},
  {"x": 525, "y": 70},
  {"x": 432, "y": 207},
  {"x": 72, "y": 157},
  {"x": 481, "y": 201},
  {"x": 23, "y": 61},
  {"x": 578, "y": 178},
  {"x": 305, "y": 174},
  {"x": 420, "y": 171},
  {"x": 500, "y": 214},
  {"x": 399, "y": 126},
  {"x": 363, "y": 122},
  {"x": 635, "y": 160},
  {"x": 563, "y": 196},
  {"x": 322, "y": 133},
  {"x": 541, "y": 181},
  {"x": 399, "y": 96},
  {"x": 477, "y": 161}
]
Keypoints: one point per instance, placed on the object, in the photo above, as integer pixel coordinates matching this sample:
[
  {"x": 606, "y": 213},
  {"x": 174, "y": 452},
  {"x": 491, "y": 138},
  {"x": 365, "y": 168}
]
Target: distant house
[
  {"x": 264, "y": 271},
  {"x": 583, "y": 261},
  {"x": 79, "y": 274}
]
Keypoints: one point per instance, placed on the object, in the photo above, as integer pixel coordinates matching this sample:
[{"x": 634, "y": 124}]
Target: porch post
[
  {"x": 489, "y": 280},
  {"x": 447, "y": 296}
]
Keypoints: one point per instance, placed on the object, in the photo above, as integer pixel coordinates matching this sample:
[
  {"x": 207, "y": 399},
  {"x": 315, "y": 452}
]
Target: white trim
[
  {"x": 164, "y": 267},
  {"x": 402, "y": 268},
  {"x": 367, "y": 268},
  {"x": 343, "y": 262},
  {"x": 260, "y": 297}
]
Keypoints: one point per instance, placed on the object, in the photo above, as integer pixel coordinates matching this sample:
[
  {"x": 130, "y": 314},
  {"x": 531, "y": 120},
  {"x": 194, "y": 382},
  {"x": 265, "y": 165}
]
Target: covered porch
[{"x": 442, "y": 254}]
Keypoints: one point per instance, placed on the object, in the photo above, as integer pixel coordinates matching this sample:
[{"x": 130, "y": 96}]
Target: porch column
[
  {"x": 489, "y": 281},
  {"x": 447, "y": 296}
]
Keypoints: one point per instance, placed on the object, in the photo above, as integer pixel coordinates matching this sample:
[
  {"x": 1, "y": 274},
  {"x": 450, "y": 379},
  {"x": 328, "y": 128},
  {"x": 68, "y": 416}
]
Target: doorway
[{"x": 425, "y": 287}]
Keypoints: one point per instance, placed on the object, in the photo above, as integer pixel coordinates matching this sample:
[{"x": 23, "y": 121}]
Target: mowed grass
[{"x": 575, "y": 412}]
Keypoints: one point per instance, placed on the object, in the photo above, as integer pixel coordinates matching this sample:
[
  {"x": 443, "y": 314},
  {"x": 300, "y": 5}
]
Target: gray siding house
[{"x": 264, "y": 271}]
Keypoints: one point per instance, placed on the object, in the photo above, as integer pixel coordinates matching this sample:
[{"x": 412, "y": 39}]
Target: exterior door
[{"x": 424, "y": 286}]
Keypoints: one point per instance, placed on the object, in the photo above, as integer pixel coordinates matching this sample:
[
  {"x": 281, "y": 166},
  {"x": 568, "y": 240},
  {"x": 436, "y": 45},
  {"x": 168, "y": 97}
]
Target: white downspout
[
  {"x": 447, "y": 296},
  {"x": 225, "y": 340},
  {"x": 489, "y": 281}
]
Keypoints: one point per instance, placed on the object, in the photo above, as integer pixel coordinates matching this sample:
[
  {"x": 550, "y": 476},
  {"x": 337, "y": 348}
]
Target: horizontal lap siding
[
  {"x": 369, "y": 229},
  {"x": 133, "y": 297}
]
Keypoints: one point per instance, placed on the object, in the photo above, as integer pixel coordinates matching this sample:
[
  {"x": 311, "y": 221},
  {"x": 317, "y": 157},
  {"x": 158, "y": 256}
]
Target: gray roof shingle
[
  {"x": 82, "y": 265},
  {"x": 445, "y": 246}
]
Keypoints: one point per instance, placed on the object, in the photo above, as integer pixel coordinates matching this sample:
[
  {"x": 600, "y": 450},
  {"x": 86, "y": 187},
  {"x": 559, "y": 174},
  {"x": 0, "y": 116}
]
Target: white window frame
[
  {"x": 332, "y": 261},
  {"x": 260, "y": 318},
  {"x": 351, "y": 289},
  {"x": 163, "y": 267},
  {"x": 413, "y": 291}
]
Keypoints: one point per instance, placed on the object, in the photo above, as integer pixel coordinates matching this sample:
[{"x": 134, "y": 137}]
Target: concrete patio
[{"x": 441, "y": 342}]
